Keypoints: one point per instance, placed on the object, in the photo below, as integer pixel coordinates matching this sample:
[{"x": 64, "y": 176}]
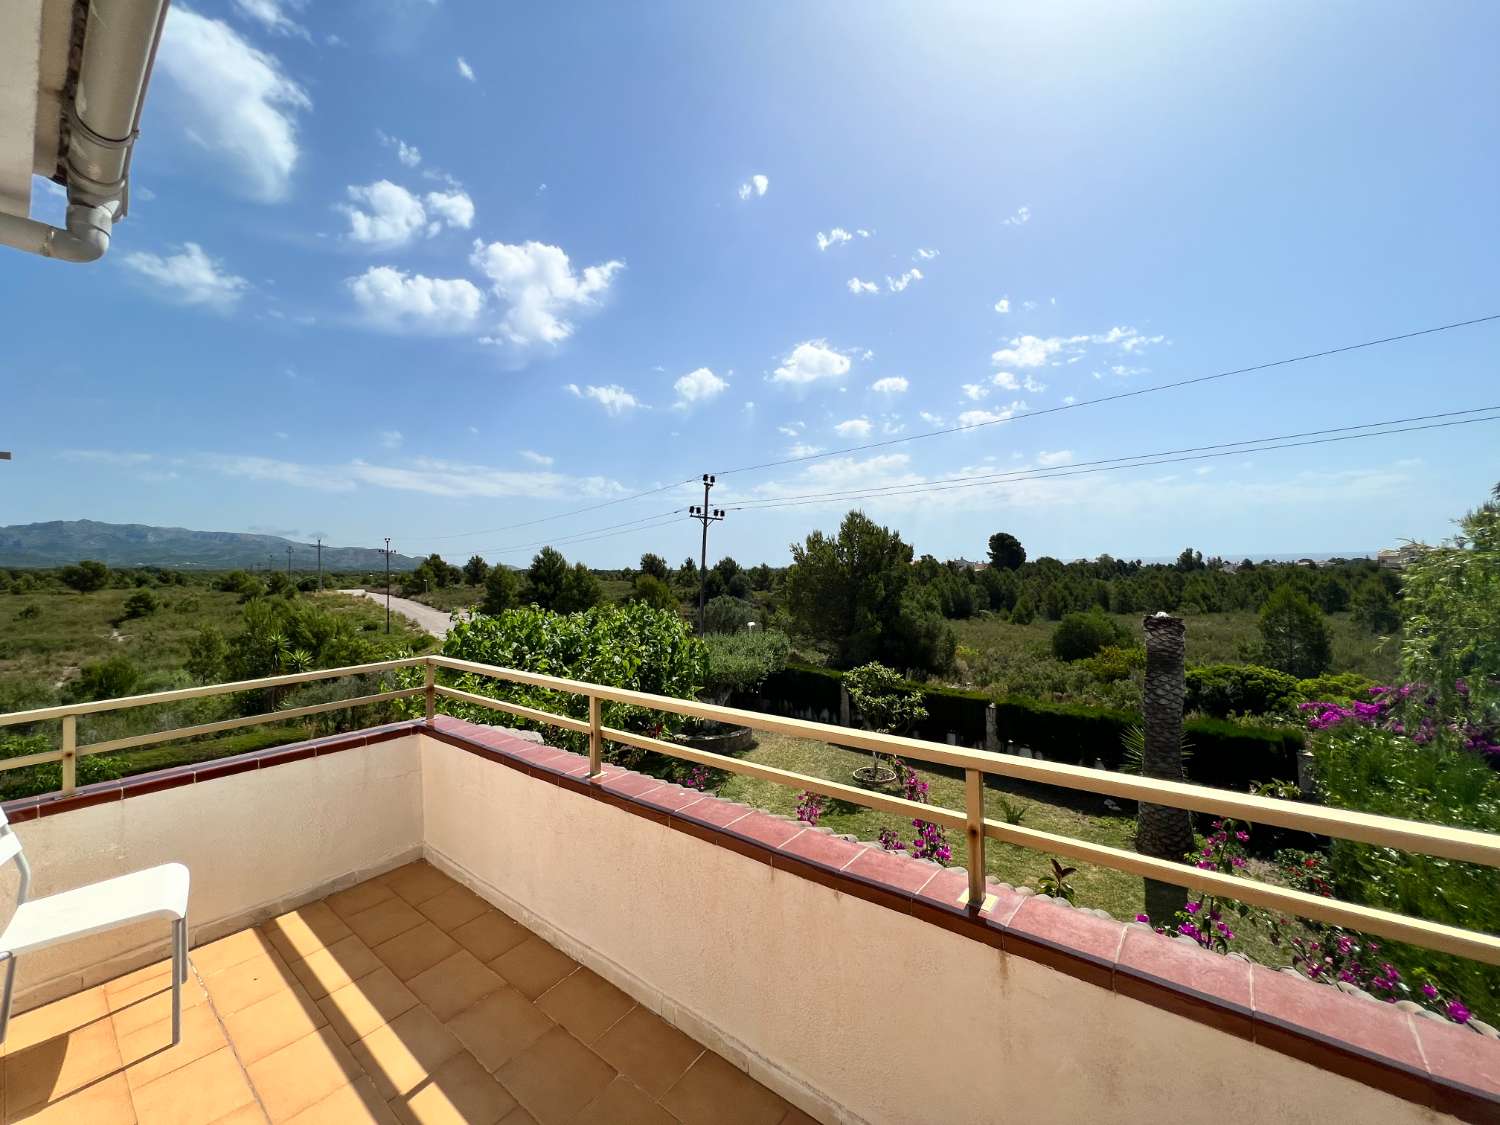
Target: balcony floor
[{"x": 405, "y": 998}]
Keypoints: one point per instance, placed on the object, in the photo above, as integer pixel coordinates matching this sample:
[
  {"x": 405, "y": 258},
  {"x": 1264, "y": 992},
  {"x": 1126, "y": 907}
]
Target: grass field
[{"x": 1082, "y": 816}]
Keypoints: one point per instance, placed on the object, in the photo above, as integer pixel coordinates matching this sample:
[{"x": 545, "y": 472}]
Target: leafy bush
[
  {"x": 29, "y": 781},
  {"x": 140, "y": 604},
  {"x": 208, "y": 656},
  {"x": 726, "y": 614},
  {"x": 628, "y": 646},
  {"x": 87, "y": 576},
  {"x": 1336, "y": 687},
  {"x": 1221, "y": 690},
  {"x": 1080, "y": 635},
  {"x": 1113, "y": 663},
  {"x": 885, "y": 701},
  {"x": 739, "y": 663},
  {"x": 107, "y": 679},
  {"x": 1294, "y": 634},
  {"x": 652, "y": 590}
]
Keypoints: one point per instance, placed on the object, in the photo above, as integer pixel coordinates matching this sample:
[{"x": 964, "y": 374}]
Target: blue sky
[{"x": 431, "y": 268}]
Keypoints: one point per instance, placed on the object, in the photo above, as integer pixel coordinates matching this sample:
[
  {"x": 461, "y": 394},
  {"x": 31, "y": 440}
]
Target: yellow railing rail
[{"x": 1447, "y": 842}]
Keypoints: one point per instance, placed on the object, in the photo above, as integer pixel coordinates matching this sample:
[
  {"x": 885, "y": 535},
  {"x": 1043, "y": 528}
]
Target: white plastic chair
[{"x": 157, "y": 892}]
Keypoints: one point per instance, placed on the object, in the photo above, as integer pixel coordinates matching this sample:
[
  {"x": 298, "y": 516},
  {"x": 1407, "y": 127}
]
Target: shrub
[
  {"x": 654, "y": 591},
  {"x": 739, "y": 663},
  {"x": 107, "y": 679},
  {"x": 140, "y": 604},
  {"x": 208, "y": 655},
  {"x": 1221, "y": 690},
  {"x": 726, "y": 614},
  {"x": 1113, "y": 663},
  {"x": 1336, "y": 687},
  {"x": 1294, "y": 634},
  {"x": 28, "y": 781},
  {"x": 1080, "y": 635},
  {"x": 629, "y": 646},
  {"x": 886, "y": 702},
  {"x": 87, "y": 576}
]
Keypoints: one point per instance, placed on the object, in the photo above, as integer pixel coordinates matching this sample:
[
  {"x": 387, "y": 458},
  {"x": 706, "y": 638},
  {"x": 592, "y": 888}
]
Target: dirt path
[{"x": 434, "y": 621}]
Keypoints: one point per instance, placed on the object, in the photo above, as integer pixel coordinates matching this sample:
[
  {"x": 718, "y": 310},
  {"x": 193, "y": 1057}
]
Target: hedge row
[{"x": 1225, "y": 754}]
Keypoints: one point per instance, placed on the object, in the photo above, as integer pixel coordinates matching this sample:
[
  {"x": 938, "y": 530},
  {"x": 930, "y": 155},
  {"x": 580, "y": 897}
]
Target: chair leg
[
  {"x": 10, "y": 980},
  {"x": 183, "y": 941},
  {"x": 178, "y": 960}
]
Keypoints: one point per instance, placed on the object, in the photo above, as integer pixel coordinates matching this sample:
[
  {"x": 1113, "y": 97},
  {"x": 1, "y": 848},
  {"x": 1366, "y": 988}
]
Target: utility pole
[
  {"x": 387, "y": 584},
  {"x": 704, "y": 515},
  {"x": 320, "y": 564},
  {"x": 289, "y": 561}
]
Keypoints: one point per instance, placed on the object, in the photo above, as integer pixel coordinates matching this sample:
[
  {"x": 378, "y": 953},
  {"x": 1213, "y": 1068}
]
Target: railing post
[
  {"x": 974, "y": 812},
  {"x": 431, "y": 694},
  {"x": 596, "y": 737},
  {"x": 69, "y": 753}
]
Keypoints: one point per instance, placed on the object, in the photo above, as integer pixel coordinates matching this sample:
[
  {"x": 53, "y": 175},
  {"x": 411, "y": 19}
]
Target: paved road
[{"x": 434, "y": 621}]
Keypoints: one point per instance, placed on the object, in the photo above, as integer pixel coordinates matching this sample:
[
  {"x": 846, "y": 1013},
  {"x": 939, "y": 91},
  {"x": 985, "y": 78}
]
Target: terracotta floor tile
[
  {"x": 384, "y": 920},
  {"x": 229, "y": 951},
  {"x": 534, "y": 966},
  {"x": 355, "y": 1104},
  {"x": 586, "y": 1004},
  {"x": 500, "y": 1027},
  {"x": 460, "y": 1092},
  {"x": 106, "y": 1102},
  {"x": 454, "y": 907},
  {"x": 148, "y": 1054},
  {"x": 60, "y": 1065},
  {"x": 490, "y": 935},
  {"x": 130, "y": 980},
  {"x": 403, "y": 1053},
  {"x": 623, "y": 1103},
  {"x": 455, "y": 983},
  {"x": 54, "y": 1019},
  {"x": 308, "y": 928},
  {"x": 363, "y": 1005},
  {"x": 795, "y": 1116},
  {"x": 271, "y": 1024},
  {"x": 556, "y": 1077},
  {"x": 302, "y": 1073},
  {"x": 205, "y": 1090},
  {"x": 648, "y": 1050},
  {"x": 418, "y": 882},
  {"x": 518, "y": 1116},
  {"x": 239, "y": 986},
  {"x": 714, "y": 1093},
  {"x": 416, "y": 950},
  {"x": 250, "y": 1114},
  {"x": 328, "y": 969},
  {"x": 151, "y": 1002},
  {"x": 359, "y": 897}
]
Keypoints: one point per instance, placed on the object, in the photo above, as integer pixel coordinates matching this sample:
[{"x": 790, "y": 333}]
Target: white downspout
[{"x": 119, "y": 45}]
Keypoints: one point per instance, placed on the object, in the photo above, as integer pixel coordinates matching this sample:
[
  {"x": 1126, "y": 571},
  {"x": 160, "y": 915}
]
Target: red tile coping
[{"x": 1435, "y": 1064}]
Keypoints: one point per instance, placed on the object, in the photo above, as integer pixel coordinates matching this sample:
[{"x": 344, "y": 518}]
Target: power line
[
  {"x": 560, "y": 515},
  {"x": 1051, "y": 473},
  {"x": 647, "y": 524},
  {"x": 1138, "y": 392},
  {"x": 846, "y": 493}
]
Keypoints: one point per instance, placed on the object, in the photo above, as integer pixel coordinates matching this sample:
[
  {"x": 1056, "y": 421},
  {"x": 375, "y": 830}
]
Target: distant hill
[{"x": 136, "y": 544}]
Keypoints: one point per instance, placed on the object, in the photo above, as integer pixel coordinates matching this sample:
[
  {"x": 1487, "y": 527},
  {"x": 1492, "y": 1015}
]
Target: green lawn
[{"x": 1079, "y": 815}]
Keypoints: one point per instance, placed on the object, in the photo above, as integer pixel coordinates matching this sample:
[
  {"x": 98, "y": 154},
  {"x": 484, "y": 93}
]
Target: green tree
[
  {"x": 1374, "y": 609},
  {"x": 141, "y": 603},
  {"x": 208, "y": 655},
  {"x": 1079, "y": 635},
  {"x": 107, "y": 679},
  {"x": 580, "y": 590},
  {"x": 279, "y": 583},
  {"x": 653, "y": 591},
  {"x": 502, "y": 590},
  {"x": 88, "y": 576},
  {"x": 1006, "y": 552},
  {"x": 546, "y": 577},
  {"x": 476, "y": 570},
  {"x": 1294, "y": 635},
  {"x": 655, "y": 566},
  {"x": 726, "y": 614}
]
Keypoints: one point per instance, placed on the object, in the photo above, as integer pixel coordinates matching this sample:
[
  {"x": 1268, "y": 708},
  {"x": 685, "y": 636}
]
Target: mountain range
[{"x": 59, "y": 542}]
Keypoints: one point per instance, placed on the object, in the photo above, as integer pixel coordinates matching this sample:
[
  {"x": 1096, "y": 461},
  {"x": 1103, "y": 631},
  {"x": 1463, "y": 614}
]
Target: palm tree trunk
[{"x": 1162, "y": 831}]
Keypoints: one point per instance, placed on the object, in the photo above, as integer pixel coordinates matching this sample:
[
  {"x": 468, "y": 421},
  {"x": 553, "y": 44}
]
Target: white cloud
[
  {"x": 237, "y": 102},
  {"x": 930, "y": 418},
  {"x": 1009, "y": 381},
  {"x": 1131, "y": 340},
  {"x": 538, "y": 283},
  {"x": 927, "y": 255},
  {"x": 810, "y": 362},
  {"x": 464, "y": 69},
  {"x": 897, "y": 284},
  {"x": 453, "y": 208},
  {"x": 833, "y": 238},
  {"x": 270, "y": 470},
  {"x": 1034, "y": 351},
  {"x": 853, "y": 427},
  {"x": 791, "y": 429},
  {"x": 536, "y": 458},
  {"x": 189, "y": 276},
  {"x": 271, "y": 16},
  {"x": 119, "y": 459},
  {"x": 390, "y": 439},
  {"x": 384, "y": 215},
  {"x": 409, "y": 155},
  {"x": 424, "y": 475},
  {"x": 981, "y": 417},
  {"x": 396, "y": 301},
  {"x": 1002, "y": 305},
  {"x": 699, "y": 386},
  {"x": 1059, "y": 457},
  {"x": 614, "y": 398},
  {"x": 857, "y": 286},
  {"x": 1021, "y": 217},
  {"x": 802, "y": 449},
  {"x": 757, "y": 185},
  {"x": 890, "y": 385},
  {"x": 975, "y": 391}
]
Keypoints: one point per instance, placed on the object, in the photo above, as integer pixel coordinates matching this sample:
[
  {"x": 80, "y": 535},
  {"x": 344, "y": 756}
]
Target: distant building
[{"x": 1397, "y": 558}]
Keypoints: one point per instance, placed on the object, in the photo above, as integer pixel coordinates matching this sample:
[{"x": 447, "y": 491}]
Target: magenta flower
[{"x": 1458, "y": 1012}]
